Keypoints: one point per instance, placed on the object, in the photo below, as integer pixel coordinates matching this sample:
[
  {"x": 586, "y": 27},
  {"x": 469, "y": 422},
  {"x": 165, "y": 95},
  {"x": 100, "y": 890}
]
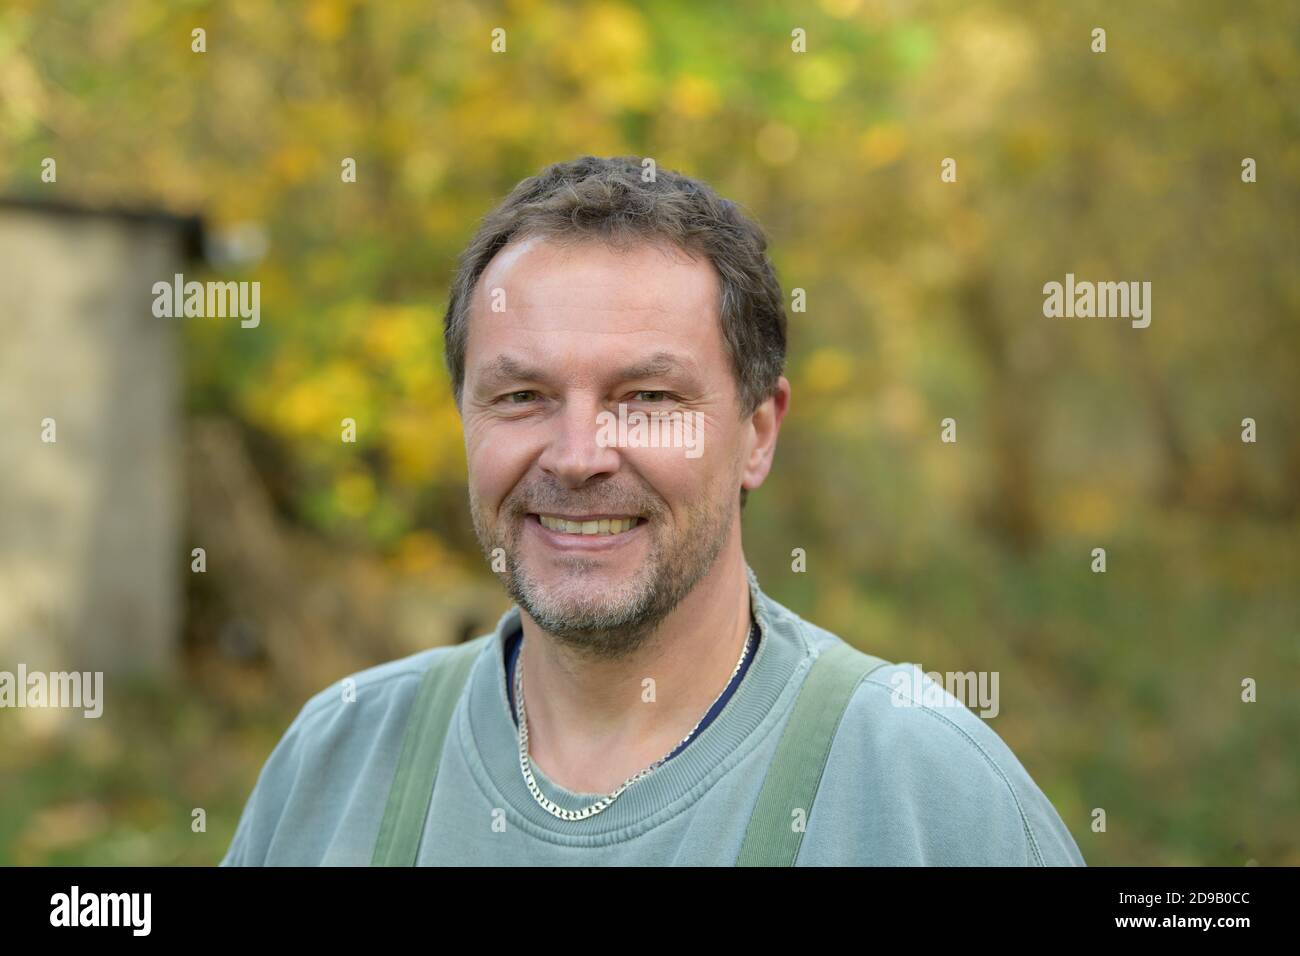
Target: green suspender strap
[
  {"x": 417, "y": 767},
  {"x": 796, "y": 771},
  {"x": 791, "y": 780}
]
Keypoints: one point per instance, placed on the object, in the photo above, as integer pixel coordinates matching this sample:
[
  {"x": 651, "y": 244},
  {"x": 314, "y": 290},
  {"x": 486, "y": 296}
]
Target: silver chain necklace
[{"x": 524, "y": 762}]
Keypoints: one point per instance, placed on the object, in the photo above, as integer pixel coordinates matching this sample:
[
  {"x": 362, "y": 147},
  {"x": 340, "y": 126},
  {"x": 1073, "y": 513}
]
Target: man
[{"x": 630, "y": 709}]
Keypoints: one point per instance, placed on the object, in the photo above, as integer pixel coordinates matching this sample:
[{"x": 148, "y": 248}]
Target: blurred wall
[{"x": 89, "y": 550}]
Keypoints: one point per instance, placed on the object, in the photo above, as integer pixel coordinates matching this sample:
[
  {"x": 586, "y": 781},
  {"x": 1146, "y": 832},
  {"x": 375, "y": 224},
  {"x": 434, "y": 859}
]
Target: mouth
[{"x": 588, "y": 526}]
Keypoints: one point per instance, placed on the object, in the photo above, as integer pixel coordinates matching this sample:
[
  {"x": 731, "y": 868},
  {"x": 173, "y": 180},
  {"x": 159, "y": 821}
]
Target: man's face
[{"x": 582, "y": 329}]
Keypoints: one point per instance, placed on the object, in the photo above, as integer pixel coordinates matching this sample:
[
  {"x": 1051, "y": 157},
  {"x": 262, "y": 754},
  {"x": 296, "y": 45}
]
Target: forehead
[{"x": 586, "y": 301}]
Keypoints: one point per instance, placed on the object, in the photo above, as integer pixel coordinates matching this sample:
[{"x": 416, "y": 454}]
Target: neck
[{"x": 590, "y": 722}]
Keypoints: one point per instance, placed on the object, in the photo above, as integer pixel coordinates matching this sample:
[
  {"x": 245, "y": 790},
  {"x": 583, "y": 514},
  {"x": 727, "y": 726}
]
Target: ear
[{"x": 763, "y": 429}]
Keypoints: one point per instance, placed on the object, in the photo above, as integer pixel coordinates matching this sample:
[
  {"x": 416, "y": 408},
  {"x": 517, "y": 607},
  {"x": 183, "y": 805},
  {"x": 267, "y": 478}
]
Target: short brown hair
[{"x": 610, "y": 199}]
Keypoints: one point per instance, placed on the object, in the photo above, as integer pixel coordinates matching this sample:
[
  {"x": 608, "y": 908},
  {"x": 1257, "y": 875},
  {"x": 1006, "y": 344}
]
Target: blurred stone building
[{"x": 91, "y": 555}]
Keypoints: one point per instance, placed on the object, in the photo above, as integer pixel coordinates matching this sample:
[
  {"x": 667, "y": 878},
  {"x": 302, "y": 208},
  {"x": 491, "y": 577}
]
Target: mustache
[
  {"x": 577, "y": 507},
  {"x": 568, "y": 504}
]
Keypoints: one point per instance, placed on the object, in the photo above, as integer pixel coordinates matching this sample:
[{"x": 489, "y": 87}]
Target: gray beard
[{"x": 609, "y": 628}]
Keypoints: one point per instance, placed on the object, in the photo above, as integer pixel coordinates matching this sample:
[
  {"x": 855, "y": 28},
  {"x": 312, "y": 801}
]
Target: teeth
[{"x": 600, "y": 526}]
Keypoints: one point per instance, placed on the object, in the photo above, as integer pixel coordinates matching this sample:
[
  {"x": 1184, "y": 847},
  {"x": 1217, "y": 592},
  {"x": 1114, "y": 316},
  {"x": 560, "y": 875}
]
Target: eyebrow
[{"x": 503, "y": 368}]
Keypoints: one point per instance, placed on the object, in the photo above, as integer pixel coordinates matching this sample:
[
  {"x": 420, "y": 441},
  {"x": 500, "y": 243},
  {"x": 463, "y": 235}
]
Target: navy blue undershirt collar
[{"x": 512, "y": 653}]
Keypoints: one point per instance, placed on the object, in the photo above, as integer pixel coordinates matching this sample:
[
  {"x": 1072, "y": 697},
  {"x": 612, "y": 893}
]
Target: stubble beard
[{"x": 612, "y": 624}]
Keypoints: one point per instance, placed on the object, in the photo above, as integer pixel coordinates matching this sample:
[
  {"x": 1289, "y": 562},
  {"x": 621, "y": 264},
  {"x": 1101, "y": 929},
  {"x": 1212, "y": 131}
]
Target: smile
[{"x": 589, "y": 525}]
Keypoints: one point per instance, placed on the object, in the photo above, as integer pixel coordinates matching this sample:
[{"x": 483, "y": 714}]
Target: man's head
[{"x": 588, "y": 289}]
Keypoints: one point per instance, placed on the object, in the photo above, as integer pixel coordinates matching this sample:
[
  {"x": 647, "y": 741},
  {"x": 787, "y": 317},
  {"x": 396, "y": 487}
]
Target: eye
[
  {"x": 518, "y": 398},
  {"x": 658, "y": 395}
]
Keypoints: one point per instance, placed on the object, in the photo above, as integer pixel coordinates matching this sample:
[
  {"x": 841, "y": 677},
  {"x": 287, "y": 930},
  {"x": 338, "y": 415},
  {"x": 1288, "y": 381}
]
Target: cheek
[
  {"x": 495, "y": 463},
  {"x": 683, "y": 482}
]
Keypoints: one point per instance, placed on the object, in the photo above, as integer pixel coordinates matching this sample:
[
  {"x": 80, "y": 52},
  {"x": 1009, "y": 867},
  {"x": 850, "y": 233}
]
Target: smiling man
[{"x": 644, "y": 702}]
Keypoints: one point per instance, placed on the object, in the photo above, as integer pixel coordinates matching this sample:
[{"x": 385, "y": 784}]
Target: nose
[{"x": 573, "y": 453}]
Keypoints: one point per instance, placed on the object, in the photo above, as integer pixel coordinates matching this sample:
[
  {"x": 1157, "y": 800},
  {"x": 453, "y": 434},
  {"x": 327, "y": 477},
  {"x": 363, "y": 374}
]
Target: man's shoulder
[
  {"x": 897, "y": 704},
  {"x": 351, "y": 730},
  {"x": 927, "y": 756},
  {"x": 389, "y": 685}
]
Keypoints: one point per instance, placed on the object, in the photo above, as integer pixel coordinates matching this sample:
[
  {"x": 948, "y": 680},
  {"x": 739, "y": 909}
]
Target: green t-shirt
[{"x": 924, "y": 784}]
